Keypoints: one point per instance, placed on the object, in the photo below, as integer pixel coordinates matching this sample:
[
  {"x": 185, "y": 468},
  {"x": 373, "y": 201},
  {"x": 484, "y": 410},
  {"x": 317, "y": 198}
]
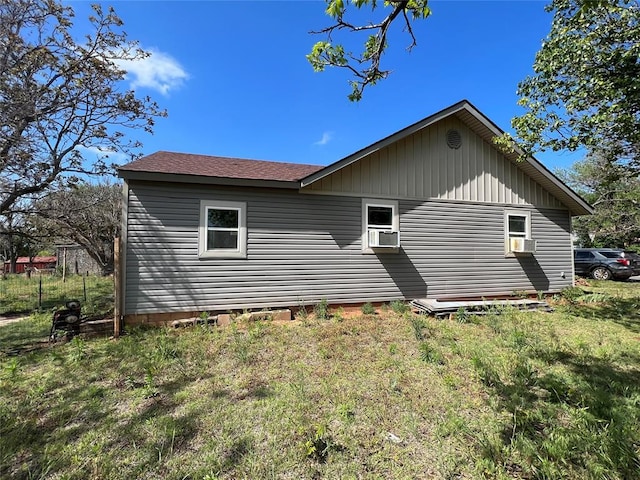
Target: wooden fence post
[{"x": 117, "y": 304}]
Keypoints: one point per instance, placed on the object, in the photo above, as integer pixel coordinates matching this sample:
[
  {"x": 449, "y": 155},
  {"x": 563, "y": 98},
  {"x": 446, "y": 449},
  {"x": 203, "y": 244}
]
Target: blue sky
[{"x": 235, "y": 81}]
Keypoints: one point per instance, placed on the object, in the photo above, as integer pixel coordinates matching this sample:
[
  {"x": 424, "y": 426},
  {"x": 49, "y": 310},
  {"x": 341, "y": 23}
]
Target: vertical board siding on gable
[
  {"x": 422, "y": 166},
  {"x": 304, "y": 248}
]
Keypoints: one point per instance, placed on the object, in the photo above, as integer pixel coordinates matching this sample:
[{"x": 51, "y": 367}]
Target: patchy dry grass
[{"x": 392, "y": 395}]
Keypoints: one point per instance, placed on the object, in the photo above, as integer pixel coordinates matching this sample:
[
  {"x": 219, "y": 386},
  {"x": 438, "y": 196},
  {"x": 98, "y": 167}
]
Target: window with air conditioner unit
[
  {"x": 522, "y": 245},
  {"x": 381, "y": 232},
  {"x": 384, "y": 238},
  {"x": 518, "y": 233}
]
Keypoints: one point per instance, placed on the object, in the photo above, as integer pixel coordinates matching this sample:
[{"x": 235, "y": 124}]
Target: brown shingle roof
[{"x": 209, "y": 166}]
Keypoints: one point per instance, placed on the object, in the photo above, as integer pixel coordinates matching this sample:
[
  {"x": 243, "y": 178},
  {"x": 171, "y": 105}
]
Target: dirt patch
[{"x": 7, "y": 319}]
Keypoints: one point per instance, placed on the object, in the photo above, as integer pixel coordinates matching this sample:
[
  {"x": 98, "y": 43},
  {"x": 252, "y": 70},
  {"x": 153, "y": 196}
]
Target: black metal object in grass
[{"x": 66, "y": 322}]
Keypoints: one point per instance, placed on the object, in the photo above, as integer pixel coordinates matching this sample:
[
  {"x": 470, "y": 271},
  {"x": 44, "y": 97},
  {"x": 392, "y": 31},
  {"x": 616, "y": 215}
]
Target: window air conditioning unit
[
  {"x": 522, "y": 245},
  {"x": 384, "y": 239}
]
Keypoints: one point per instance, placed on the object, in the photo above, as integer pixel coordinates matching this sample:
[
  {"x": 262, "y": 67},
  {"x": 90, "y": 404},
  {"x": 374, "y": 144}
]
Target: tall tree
[
  {"x": 86, "y": 214},
  {"x": 614, "y": 192},
  {"x": 17, "y": 238},
  {"x": 365, "y": 66},
  {"x": 585, "y": 90},
  {"x": 58, "y": 95}
]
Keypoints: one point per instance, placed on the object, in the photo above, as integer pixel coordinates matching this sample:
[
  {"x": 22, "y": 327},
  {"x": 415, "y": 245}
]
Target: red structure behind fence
[{"x": 32, "y": 263}]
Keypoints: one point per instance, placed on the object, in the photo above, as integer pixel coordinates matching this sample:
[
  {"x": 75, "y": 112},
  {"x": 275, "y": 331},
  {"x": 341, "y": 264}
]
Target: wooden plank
[
  {"x": 432, "y": 306},
  {"x": 117, "y": 307}
]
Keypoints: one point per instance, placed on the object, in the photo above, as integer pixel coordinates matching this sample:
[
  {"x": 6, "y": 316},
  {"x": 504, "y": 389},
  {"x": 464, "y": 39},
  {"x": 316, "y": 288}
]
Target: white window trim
[
  {"x": 241, "y": 251},
  {"x": 518, "y": 213},
  {"x": 376, "y": 202}
]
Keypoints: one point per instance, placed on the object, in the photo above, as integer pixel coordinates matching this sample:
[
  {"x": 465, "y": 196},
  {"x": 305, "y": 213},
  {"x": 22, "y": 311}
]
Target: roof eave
[
  {"x": 576, "y": 204},
  {"x": 136, "y": 175}
]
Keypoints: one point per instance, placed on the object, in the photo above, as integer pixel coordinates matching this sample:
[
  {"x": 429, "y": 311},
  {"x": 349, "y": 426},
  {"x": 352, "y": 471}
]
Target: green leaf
[{"x": 335, "y": 8}]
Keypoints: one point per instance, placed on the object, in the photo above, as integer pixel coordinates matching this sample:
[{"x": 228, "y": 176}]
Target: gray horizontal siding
[
  {"x": 459, "y": 250},
  {"x": 303, "y": 248},
  {"x": 423, "y": 166}
]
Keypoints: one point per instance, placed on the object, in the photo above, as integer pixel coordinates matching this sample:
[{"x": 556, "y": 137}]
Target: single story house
[{"x": 432, "y": 211}]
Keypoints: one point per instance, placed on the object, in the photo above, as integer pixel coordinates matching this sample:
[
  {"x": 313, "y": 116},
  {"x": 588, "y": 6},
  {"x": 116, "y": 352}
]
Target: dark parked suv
[{"x": 605, "y": 263}]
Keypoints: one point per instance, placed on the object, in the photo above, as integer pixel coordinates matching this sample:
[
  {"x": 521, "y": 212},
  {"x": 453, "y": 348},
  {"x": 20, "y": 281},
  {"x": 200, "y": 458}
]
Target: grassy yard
[
  {"x": 385, "y": 396},
  {"x": 21, "y": 294}
]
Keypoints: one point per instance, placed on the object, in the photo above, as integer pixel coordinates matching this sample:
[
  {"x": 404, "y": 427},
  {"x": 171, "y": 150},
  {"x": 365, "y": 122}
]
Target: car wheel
[{"x": 601, "y": 273}]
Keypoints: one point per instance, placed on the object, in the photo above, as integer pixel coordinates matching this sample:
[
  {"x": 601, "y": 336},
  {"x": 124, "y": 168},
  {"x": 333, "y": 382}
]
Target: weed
[
  {"x": 165, "y": 349},
  {"x": 321, "y": 310},
  {"x": 418, "y": 325},
  {"x": 584, "y": 350},
  {"x": 368, "y": 309},
  {"x": 204, "y": 317},
  {"x": 399, "y": 307},
  {"x": 240, "y": 346},
  {"x": 519, "y": 339},
  {"x": 302, "y": 312},
  {"x": 519, "y": 294},
  {"x": 494, "y": 321},
  {"x": 394, "y": 383},
  {"x": 452, "y": 425},
  {"x": 452, "y": 381},
  {"x": 149, "y": 389},
  {"x": 338, "y": 314},
  {"x": 486, "y": 371},
  {"x": 462, "y": 316},
  {"x": 493, "y": 456},
  {"x": 346, "y": 411},
  {"x": 318, "y": 444},
  {"x": 595, "y": 297},
  {"x": 77, "y": 351},
  {"x": 257, "y": 330},
  {"x": 263, "y": 316},
  {"x": 129, "y": 382},
  {"x": 12, "y": 369},
  {"x": 524, "y": 374},
  {"x": 571, "y": 294},
  {"x": 431, "y": 354}
]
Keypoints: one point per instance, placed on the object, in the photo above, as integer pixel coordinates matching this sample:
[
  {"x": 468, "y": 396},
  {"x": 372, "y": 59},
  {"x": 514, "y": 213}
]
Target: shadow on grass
[
  {"x": 580, "y": 418},
  {"x": 27, "y": 438},
  {"x": 24, "y": 336},
  {"x": 129, "y": 396},
  {"x": 623, "y": 311},
  {"x": 155, "y": 432}
]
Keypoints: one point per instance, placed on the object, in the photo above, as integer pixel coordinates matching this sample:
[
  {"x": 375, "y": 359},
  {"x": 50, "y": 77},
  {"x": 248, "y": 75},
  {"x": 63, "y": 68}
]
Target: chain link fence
[{"x": 42, "y": 292}]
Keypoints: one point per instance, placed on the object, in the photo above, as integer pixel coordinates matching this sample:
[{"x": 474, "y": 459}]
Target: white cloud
[
  {"x": 326, "y": 138},
  {"x": 97, "y": 153},
  {"x": 158, "y": 71}
]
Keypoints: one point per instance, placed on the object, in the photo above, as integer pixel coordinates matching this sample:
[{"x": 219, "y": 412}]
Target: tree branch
[{"x": 366, "y": 67}]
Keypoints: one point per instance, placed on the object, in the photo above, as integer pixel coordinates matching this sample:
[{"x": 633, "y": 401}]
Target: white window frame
[
  {"x": 507, "y": 234},
  {"x": 395, "y": 226},
  {"x": 241, "y": 251}
]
